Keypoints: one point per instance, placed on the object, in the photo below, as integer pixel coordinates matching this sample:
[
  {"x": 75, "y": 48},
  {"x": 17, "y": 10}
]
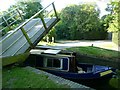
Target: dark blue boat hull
[
  {"x": 70, "y": 75},
  {"x": 99, "y": 72}
]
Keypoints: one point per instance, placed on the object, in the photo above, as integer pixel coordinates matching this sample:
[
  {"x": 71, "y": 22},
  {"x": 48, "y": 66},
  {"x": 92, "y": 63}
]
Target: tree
[
  {"x": 115, "y": 12},
  {"x": 30, "y": 7},
  {"x": 62, "y": 31},
  {"x": 114, "y": 25},
  {"x": 80, "y": 22}
]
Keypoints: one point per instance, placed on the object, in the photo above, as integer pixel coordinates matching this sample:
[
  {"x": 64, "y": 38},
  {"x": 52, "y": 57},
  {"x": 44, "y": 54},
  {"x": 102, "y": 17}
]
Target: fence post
[
  {"x": 54, "y": 10},
  {"x": 27, "y": 37}
]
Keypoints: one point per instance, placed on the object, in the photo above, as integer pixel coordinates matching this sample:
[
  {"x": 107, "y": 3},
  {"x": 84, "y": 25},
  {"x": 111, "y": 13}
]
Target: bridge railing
[
  {"x": 10, "y": 20},
  {"x": 41, "y": 15}
]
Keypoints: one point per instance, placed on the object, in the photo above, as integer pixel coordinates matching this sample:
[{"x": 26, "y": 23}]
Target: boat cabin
[{"x": 52, "y": 60}]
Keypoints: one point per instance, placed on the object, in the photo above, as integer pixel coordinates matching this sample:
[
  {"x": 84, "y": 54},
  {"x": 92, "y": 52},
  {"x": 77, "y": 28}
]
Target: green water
[{"x": 104, "y": 83}]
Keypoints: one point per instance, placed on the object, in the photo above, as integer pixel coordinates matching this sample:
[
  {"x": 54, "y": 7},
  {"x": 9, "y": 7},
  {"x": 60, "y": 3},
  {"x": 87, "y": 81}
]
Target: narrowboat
[{"x": 66, "y": 66}]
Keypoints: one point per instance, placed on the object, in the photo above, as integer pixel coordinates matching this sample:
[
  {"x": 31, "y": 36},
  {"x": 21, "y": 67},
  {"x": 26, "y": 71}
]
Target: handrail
[
  {"x": 14, "y": 21},
  {"x": 11, "y": 17},
  {"x": 10, "y": 11},
  {"x": 24, "y": 23},
  {"x": 5, "y": 19},
  {"x": 6, "y": 22},
  {"x": 32, "y": 17},
  {"x": 55, "y": 10},
  {"x": 48, "y": 13},
  {"x": 2, "y": 23},
  {"x": 3, "y": 28}
]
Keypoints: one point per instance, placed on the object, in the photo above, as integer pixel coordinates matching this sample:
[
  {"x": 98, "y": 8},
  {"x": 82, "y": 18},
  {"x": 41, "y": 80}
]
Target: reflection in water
[
  {"x": 101, "y": 84},
  {"x": 106, "y": 83}
]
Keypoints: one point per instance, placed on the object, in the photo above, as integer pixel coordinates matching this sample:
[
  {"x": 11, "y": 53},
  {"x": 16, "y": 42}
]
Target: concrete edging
[{"x": 58, "y": 79}]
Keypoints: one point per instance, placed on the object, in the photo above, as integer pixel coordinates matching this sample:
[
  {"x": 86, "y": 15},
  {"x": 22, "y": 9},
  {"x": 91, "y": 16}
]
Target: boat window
[{"x": 53, "y": 63}]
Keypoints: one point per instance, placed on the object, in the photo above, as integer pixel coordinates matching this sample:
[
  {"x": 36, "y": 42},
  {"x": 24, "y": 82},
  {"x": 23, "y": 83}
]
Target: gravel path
[{"x": 106, "y": 44}]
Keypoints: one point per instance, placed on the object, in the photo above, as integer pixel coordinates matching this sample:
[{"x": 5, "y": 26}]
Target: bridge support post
[
  {"x": 27, "y": 37},
  {"x": 44, "y": 24}
]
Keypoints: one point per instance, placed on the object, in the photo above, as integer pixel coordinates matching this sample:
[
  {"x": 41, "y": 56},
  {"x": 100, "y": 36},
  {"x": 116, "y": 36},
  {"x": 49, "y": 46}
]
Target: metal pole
[
  {"x": 44, "y": 24},
  {"x": 27, "y": 37},
  {"x": 20, "y": 14},
  {"x": 54, "y": 10},
  {"x": 6, "y": 23}
]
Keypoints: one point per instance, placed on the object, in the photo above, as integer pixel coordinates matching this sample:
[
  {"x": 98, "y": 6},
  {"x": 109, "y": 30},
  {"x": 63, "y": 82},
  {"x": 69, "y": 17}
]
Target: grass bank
[
  {"x": 18, "y": 77},
  {"x": 96, "y": 52}
]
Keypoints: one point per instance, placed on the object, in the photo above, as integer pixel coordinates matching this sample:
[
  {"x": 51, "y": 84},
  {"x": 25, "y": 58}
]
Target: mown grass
[
  {"x": 97, "y": 52},
  {"x": 18, "y": 77}
]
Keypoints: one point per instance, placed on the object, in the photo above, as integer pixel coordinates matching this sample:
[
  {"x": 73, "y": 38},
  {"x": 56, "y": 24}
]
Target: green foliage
[
  {"x": 80, "y": 22},
  {"x": 114, "y": 24},
  {"x": 29, "y": 8},
  {"x": 115, "y": 11},
  {"x": 106, "y": 19},
  {"x": 62, "y": 31},
  {"x": 52, "y": 33}
]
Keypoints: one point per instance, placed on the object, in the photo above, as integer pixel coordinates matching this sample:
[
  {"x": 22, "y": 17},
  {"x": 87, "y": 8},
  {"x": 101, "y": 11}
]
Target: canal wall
[{"x": 99, "y": 61}]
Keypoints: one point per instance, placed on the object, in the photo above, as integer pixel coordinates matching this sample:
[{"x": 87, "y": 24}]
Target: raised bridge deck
[
  {"x": 17, "y": 43},
  {"x": 14, "y": 44}
]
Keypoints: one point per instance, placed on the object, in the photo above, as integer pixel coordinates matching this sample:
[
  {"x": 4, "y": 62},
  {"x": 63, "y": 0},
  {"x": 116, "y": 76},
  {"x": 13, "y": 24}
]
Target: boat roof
[
  {"x": 56, "y": 56},
  {"x": 36, "y": 51},
  {"x": 49, "y": 53}
]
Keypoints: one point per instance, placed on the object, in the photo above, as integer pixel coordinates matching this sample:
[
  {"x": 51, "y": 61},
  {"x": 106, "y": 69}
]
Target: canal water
[
  {"x": 102, "y": 84},
  {"x": 98, "y": 84}
]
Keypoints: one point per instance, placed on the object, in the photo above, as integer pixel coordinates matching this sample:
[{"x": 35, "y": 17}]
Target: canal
[
  {"x": 112, "y": 83},
  {"x": 103, "y": 84}
]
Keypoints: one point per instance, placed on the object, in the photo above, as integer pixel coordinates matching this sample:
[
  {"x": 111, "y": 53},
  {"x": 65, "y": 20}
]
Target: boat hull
[
  {"x": 97, "y": 73},
  {"x": 76, "y": 76}
]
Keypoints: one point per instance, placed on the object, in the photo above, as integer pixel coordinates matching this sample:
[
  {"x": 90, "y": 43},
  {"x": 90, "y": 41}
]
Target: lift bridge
[{"x": 16, "y": 44}]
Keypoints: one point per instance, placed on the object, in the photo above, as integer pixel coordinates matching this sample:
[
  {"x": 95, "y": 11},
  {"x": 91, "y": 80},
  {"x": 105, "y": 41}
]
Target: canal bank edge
[{"x": 57, "y": 79}]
